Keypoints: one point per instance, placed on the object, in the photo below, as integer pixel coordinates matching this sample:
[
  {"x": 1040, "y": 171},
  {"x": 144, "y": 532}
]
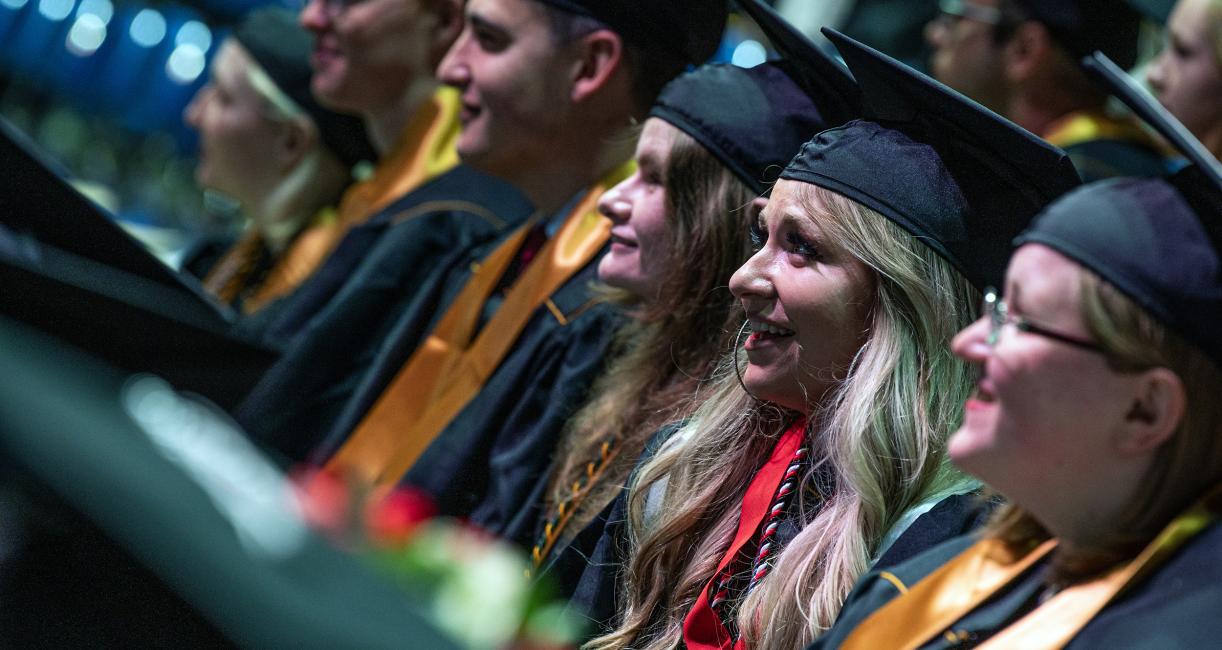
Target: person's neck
[
  {"x": 557, "y": 179},
  {"x": 385, "y": 124}
]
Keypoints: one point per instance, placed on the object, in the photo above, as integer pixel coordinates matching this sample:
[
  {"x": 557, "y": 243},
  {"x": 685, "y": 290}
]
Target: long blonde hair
[
  {"x": 878, "y": 443},
  {"x": 1185, "y": 467}
]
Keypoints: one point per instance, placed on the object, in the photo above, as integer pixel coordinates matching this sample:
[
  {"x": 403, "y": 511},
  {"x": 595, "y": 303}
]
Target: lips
[
  {"x": 764, "y": 333},
  {"x": 623, "y": 241},
  {"x": 467, "y": 112}
]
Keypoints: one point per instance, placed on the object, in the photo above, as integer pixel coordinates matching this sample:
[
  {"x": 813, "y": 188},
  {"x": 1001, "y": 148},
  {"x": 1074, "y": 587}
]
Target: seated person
[{"x": 268, "y": 145}]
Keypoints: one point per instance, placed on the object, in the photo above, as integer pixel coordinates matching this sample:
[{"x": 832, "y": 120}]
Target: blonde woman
[
  {"x": 266, "y": 144},
  {"x": 1096, "y": 415},
  {"x": 749, "y": 528}
]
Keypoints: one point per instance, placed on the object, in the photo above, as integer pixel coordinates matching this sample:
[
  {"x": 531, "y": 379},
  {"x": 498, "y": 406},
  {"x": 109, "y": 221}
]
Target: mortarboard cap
[
  {"x": 1083, "y": 26},
  {"x": 754, "y": 120},
  {"x": 129, "y": 320},
  {"x": 282, "y": 48},
  {"x": 689, "y": 29},
  {"x": 1156, "y": 240},
  {"x": 162, "y": 513},
  {"x": 958, "y": 177}
]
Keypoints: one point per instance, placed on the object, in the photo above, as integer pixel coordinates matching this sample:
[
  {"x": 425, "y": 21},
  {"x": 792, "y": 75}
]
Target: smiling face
[
  {"x": 807, "y": 301},
  {"x": 1044, "y": 414},
  {"x": 515, "y": 83},
  {"x": 235, "y": 137},
  {"x": 638, "y": 258},
  {"x": 1187, "y": 75},
  {"x": 367, "y": 52}
]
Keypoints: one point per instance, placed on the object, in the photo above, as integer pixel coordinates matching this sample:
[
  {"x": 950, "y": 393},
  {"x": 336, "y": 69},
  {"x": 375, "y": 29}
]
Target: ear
[
  {"x": 1156, "y": 412},
  {"x": 1026, "y": 50},
  {"x": 296, "y": 140},
  {"x": 601, "y": 56}
]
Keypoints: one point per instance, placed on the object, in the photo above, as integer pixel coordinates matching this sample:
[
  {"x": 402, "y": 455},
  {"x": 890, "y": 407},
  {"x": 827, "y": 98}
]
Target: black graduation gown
[
  {"x": 589, "y": 569},
  {"x": 135, "y": 516},
  {"x": 1103, "y": 158},
  {"x": 1176, "y": 607},
  {"x": 486, "y": 465},
  {"x": 372, "y": 301}
]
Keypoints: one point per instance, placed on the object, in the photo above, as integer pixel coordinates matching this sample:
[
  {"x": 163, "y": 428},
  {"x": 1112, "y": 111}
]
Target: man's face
[
  {"x": 966, "y": 54},
  {"x": 367, "y": 52},
  {"x": 516, "y": 83}
]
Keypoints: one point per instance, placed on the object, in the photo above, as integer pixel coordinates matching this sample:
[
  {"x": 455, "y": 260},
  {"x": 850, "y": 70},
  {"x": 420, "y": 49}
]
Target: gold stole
[
  {"x": 449, "y": 369},
  {"x": 423, "y": 151},
  {"x": 936, "y": 603},
  {"x": 1082, "y": 126},
  {"x": 231, "y": 275}
]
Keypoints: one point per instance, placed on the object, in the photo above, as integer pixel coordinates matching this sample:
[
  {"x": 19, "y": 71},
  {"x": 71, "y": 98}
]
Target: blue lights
[{"x": 148, "y": 28}]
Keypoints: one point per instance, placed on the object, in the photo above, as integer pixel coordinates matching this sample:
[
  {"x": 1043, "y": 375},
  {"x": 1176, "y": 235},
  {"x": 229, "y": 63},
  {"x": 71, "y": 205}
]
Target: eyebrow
[{"x": 480, "y": 22}]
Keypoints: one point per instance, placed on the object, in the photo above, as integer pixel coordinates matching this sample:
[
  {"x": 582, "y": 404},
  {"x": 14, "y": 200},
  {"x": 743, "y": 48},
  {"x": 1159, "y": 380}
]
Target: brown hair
[{"x": 669, "y": 347}]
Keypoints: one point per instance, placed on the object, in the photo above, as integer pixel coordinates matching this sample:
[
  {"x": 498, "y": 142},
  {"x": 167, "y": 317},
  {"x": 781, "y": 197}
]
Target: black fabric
[
  {"x": 1104, "y": 158},
  {"x": 957, "y": 176},
  {"x": 1144, "y": 238},
  {"x": 374, "y": 299},
  {"x": 953, "y": 516},
  {"x": 282, "y": 49},
  {"x": 131, "y": 321},
  {"x": 1083, "y": 26},
  {"x": 202, "y": 530},
  {"x": 1176, "y": 607},
  {"x": 688, "y": 29}
]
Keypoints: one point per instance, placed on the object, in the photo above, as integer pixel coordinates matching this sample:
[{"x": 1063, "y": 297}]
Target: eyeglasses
[
  {"x": 952, "y": 11},
  {"x": 998, "y": 313}
]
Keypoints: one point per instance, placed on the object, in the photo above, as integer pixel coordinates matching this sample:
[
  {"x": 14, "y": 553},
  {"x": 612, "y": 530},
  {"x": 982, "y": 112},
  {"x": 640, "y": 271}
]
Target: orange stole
[
  {"x": 934, "y": 604},
  {"x": 230, "y": 277},
  {"x": 423, "y": 151},
  {"x": 1090, "y": 125},
  {"x": 448, "y": 370}
]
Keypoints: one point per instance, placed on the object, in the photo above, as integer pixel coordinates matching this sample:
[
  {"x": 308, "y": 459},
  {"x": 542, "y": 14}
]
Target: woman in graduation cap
[
  {"x": 268, "y": 145},
  {"x": 1187, "y": 75},
  {"x": 715, "y": 140},
  {"x": 1097, "y": 416},
  {"x": 751, "y": 526}
]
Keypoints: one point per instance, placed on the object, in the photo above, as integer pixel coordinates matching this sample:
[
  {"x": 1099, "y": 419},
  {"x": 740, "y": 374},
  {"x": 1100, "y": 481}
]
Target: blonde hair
[
  {"x": 1185, "y": 467},
  {"x": 878, "y": 446}
]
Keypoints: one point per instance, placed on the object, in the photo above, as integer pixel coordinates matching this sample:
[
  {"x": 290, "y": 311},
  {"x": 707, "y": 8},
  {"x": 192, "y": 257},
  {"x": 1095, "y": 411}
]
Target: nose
[
  {"x": 752, "y": 280},
  {"x": 191, "y": 114},
  {"x": 614, "y": 204},
  {"x": 1156, "y": 72},
  {"x": 314, "y": 16},
  {"x": 935, "y": 31},
  {"x": 454, "y": 69},
  {"x": 972, "y": 344}
]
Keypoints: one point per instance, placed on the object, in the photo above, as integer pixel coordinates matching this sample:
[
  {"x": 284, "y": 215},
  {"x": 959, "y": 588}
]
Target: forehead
[
  {"x": 229, "y": 66},
  {"x": 1045, "y": 280},
  {"x": 656, "y": 139},
  {"x": 513, "y": 15},
  {"x": 1190, "y": 17}
]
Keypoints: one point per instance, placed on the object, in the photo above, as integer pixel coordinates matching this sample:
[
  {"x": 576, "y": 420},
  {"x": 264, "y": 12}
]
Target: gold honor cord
[
  {"x": 936, "y": 603},
  {"x": 446, "y": 372}
]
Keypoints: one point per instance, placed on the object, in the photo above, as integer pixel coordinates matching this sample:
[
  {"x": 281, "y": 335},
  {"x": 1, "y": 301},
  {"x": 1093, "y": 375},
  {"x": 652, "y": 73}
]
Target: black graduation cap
[
  {"x": 754, "y": 120},
  {"x": 691, "y": 29},
  {"x": 131, "y": 321},
  {"x": 158, "y": 512},
  {"x": 36, "y": 200},
  {"x": 282, "y": 48},
  {"x": 1156, "y": 240},
  {"x": 959, "y": 177},
  {"x": 1083, "y": 26}
]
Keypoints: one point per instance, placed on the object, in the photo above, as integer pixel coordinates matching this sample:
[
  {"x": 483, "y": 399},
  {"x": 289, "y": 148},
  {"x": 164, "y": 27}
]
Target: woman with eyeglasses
[
  {"x": 1187, "y": 75},
  {"x": 820, "y": 448},
  {"x": 1096, "y": 415}
]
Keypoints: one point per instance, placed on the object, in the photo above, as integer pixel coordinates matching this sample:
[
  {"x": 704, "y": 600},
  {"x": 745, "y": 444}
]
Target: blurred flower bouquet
[{"x": 472, "y": 585}]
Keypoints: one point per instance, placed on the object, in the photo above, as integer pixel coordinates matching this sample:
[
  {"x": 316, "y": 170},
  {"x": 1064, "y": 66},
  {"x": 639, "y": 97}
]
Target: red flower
[{"x": 391, "y": 520}]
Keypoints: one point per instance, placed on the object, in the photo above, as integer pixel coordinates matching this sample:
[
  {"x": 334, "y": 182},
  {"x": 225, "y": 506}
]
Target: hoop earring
[{"x": 738, "y": 373}]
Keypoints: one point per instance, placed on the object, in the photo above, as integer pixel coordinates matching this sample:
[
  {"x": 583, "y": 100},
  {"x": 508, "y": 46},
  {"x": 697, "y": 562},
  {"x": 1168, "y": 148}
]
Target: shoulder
[
  {"x": 884, "y": 583},
  {"x": 1177, "y": 607},
  {"x": 461, "y": 190},
  {"x": 932, "y": 523}
]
